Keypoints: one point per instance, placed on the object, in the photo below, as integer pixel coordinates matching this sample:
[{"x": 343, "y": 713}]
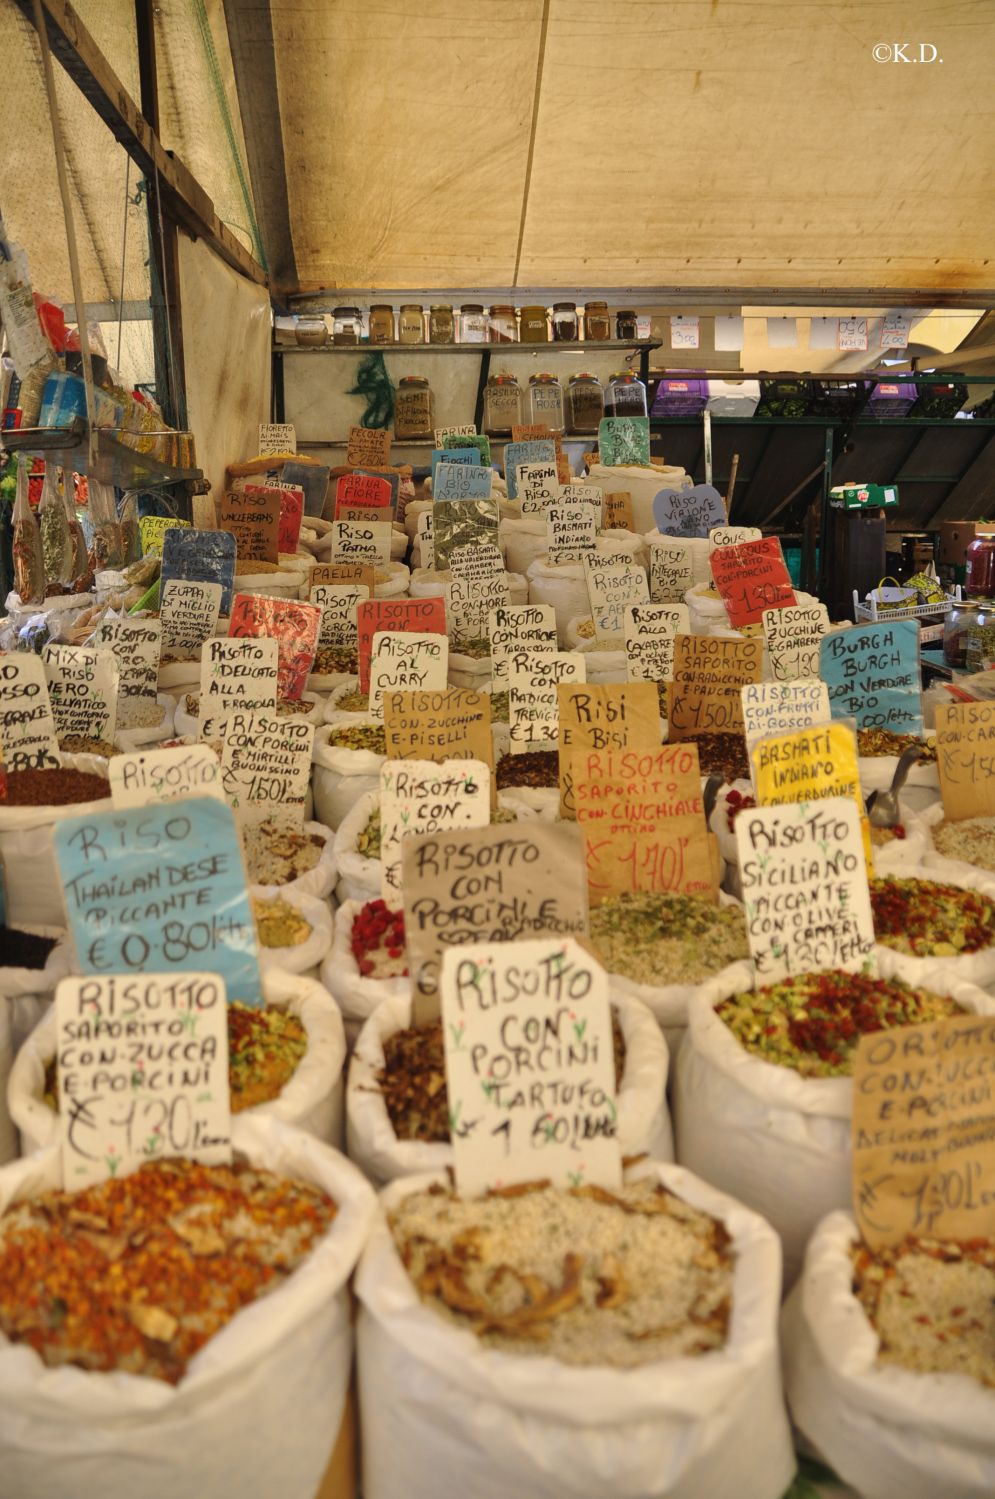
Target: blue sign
[
  {"x": 313, "y": 479},
  {"x": 538, "y": 450},
  {"x": 468, "y": 456},
  {"x": 688, "y": 512},
  {"x": 152, "y": 889},
  {"x": 461, "y": 481},
  {"x": 872, "y": 673},
  {"x": 200, "y": 557}
]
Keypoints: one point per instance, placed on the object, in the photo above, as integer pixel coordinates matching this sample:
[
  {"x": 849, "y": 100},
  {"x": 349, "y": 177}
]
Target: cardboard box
[{"x": 956, "y": 536}]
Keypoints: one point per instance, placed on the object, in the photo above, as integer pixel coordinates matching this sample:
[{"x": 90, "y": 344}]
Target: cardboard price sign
[
  {"x": 122, "y": 1104},
  {"x": 872, "y": 672},
  {"x": 526, "y": 879},
  {"x": 291, "y": 516},
  {"x": 624, "y": 440},
  {"x": 412, "y": 616},
  {"x": 425, "y": 539},
  {"x": 289, "y": 509},
  {"x": 603, "y": 716},
  {"x": 671, "y": 572},
  {"x": 538, "y": 487},
  {"x": 776, "y": 708},
  {"x": 793, "y": 637},
  {"x": 189, "y": 615},
  {"x": 277, "y": 437},
  {"x": 27, "y": 728},
  {"x": 810, "y": 765},
  {"x": 533, "y": 707},
  {"x": 516, "y": 630},
  {"x": 571, "y": 531},
  {"x": 294, "y": 627},
  {"x": 688, "y": 512},
  {"x": 453, "y": 724},
  {"x": 160, "y": 887},
  {"x": 365, "y": 542},
  {"x": 732, "y": 536},
  {"x": 83, "y": 689},
  {"x": 266, "y": 768},
  {"x": 923, "y": 1132},
  {"x": 704, "y": 696},
  {"x": 363, "y": 497},
  {"x": 343, "y": 572},
  {"x": 612, "y": 584},
  {"x": 368, "y": 447},
  {"x": 618, "y": 512},
  {"x": 468, "y": 456},
  {"x": 406, "y": 663},
  {"x": 650, "y": 632},
  {"x": 443, "y": 434},
  {"x": 808, "y": 906},
  {"x": 162, "y": 775},
  {"x": 462, "y": 481},
  {"x": 200, "y": 557},
  {"x": 242, "y": 672},
  {"x": 479, "y": 585},
  {"x": 426, "y": 796},
  {"x": 253, "y": 518},
  {"x": 643, "y": 820},
  {"x": 965, "y": 749},
  {"x": 388, "y": 476},
  {"x": 521, "y": 454},
  {"x": 152, "y": 531},
  {"x": 137, "y": 646},
  {"x": 752, "y": 577},
  {"x": 538, "y": 1009},
  {"x": 338, "y": 603}
]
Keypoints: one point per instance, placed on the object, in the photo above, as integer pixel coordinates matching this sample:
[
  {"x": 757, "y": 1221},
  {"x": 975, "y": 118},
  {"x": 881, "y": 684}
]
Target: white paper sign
[
  {"x": 189, "y": 614},
  {"x": 442, "y": 433},
  {"x": 423, "y": 796},
  {"x": 571, "y": 531},
  {"x": 161, "y": 775},
  {"x": 518, "y": 629},
  {"x": 123, "y": 1100},
  {"x": 137, "y": 645},
  {"x": 366, "y": 542},
  {"x": 586, "y": 494},
  {"x": 649, "y": 640},
  {"x": 771, "y": 708},
  {"x": 530, "y": 1067},
  {"x": 684, "y": 331},
  {"x": 402, "y": 662},
  {"x": 27, "y": 728},
  {"x": 731, "y": 536},
  {"x": 426, "y": 539},
  {"x": 277, "y": 437},
  {"x": 671, "y": 572},
  {"x": 82, "y": 688},
  {"x": 338, "y": 603},
  {"x": 895, "y": 328},
  {"x": 538, "y": 487},
  {"x": 236, "y": 673},
  {"x": 479, "y": 584},
  {"x": 533, "y": 707},
  {"x": 793, "y": 637},
  {"x": 612, "y": 584},
  {"x": 804, "y": 877},
  {"x": 266, "y": 768},
  {"x": 851, "y": 336}
]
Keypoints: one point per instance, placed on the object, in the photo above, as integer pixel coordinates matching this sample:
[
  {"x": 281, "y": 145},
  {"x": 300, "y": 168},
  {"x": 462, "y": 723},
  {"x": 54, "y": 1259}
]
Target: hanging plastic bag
[
  {"x": 29, "y": 563},
  {"x": 56, "y": 541},
  {"x": 130, "y": 538},
  {"x": 80, "y": 563},
  {"x": 108, "y": 548}
]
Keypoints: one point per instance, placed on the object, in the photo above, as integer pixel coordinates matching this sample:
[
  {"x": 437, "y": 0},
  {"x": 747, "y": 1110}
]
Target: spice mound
[
  {"x": 499, "y": 707},
  {"x": 930, "y": 920},
  {"x": 377, "y": 941},
  {"x": 354, "y": 701},
  {"x": 535, "y": 768},
  {"x": 138, "y": 1273},
  {"x": 585, "y": 1276},
  {"x": 723, "y": 755},
  {"x": 23, "y": 949},
  {"x": 275, "y": 856},
  {"x": 81, "y": 744},
  {"x": 359, "y": 736},
  {"x": 874, "y": 742},
  {"x": 336, "y": 658},
  {"x": 279, "y": 924},
  {"x": 54, "y": 788},
  {"x": 972, "y": 840},
  {"x": 660, "y": 939},
  {"x": 813, "y": 1022},
  {"x": 413, "y": 1080},
  {"x": 932, "y": 1304}
]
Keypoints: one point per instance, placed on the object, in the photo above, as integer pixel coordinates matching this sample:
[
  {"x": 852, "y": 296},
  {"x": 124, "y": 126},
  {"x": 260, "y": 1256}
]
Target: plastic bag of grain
[
  {"x": 642, "y": 482},
  {"x": 26, "y": 993},
  {"x": 341, "y": 775}
]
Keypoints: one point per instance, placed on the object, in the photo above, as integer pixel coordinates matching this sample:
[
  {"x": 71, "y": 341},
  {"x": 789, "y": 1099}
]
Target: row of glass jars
[
  {"x": 578, "y": 409},
  {"x": 474, "y": 324}
]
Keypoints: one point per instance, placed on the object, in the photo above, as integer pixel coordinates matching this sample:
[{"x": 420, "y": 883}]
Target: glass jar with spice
[
  {"x": 597, "y": 323},
  {"x": 626, "y": 395},
  {"x": 957, "y": 630},
  {"x": 441, "y": 325},
  {"x": 311, "y": 332},
  {"x": 625, "y": 323},
  {"x": 545, "y": 402},
  {"x": 411, "y": 324},
  {"x": 347, "y": 324},
  {"x": 502, "y": 327},
  {"x": 981, "y": 567},
  {"x": 502, "y": 405},
  {"x": 381, "y": 323},
  {"x": 533, "y": 328},
  {"x": 413, "y": 408},
  {"x": 565, "y": 322},
  {"x": 980, "y": 653},
  {"x": 472, "y": 323},
  {"x": 585, "y": 403}
]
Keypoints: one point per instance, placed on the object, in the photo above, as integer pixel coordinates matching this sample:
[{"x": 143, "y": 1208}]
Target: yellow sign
[
  {"x": 807, "y": 766},
  {"x": 152, "y": 529}
]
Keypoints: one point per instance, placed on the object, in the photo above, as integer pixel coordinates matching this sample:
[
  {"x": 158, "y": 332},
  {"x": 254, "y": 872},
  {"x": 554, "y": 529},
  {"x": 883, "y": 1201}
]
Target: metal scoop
[
  {"x": 882, "y": 806},
  {"x": 710, "y": 795}
]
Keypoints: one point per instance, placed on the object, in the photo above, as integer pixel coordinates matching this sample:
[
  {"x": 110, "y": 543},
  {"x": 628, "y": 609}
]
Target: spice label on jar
[
  {"x": 152, "y": 530},
  {"x": 368, "y": 447},
  {"x": 624, "y": 440},
  {"x": 233, "y": 673},
  {"x": 650, "y": 632},
  {"x": 643, "y": 820},
  {"x": 122, "y": 1103},
  {"x": 533, "y": 706},
  {"x": 160, "y": 887},
  {"x": 542, "y": 450},
  {"x": 515, "y": 632},
  {"x": 443, "y": 434},
  {"x": 479, "y": 585},
  {"x": 462, "y": 481},
  {"x": 452, "y": 724},
  {"x": 338, "y": 603},
  {"x": 293, "y": 625},
  {"x": 523, "y": 877},
  {"x": 603, "y": 715},
  {"x": 965, "y": 751},
  {"x": 189, "y": 613},
  {"x": 571, "y": 531},
  {"x": 732, "y": 536},
  {"x": 414, "y": 616},
  {"x": 157, "y": 775},
  {"x": 291, "y": 516},
  {"x": 426, "y": 796},
  {"x": 27, "y": 726},
  {"x": 193, "y": 556},
  {"x": 252, "y": 516},
  {"x": 771, "y": 709},
  {"x": 83, "y": 690},
  {"x": 530, "y": 1067},
  {"x": 873, "y": 675},
  {"x": 137, "y": 647},
  {"x": 469, "y": 457},
  {"x": 538, "y": 487},
  {"x": 793, "y": 638},
  {"x": 366, "y": 542},
  {"x": 752, "y": 578},
  {"x": 704, "y": 695},
  {"x": 612, "y": 584},
  {"x": 923, "y": 1131},
  {"x": 343, "y": 572},
  {"x": 618, "y": 511},
  {"x": 462, "y": 523},
  {"x": 266, "y": 769},
  {"x": 277, "y": 437},
  {"x": 671, "y": 573},
  {"x": 808, "y": 906},
  {"x": 406, "y": 663},
  {"x": 425, "y": 538},
  {"x": 364, "y": 497},
  {"x": 688, "y": 512}
]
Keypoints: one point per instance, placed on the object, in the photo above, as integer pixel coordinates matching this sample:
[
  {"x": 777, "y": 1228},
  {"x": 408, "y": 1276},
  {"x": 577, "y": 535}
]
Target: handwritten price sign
[{"x": 752, "y": 577}]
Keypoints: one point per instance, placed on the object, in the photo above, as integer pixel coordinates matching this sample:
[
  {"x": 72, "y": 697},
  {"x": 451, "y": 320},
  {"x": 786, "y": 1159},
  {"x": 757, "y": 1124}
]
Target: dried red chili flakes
[
  {"x": 929, "y": 919},
  {"x": 736, "y": 802},
  {"x": 138, "y": 1273},
  {"x": 377, "y": 941},
  {"x": 54, "y": 788},
  {"x": 536, "y": 768}
]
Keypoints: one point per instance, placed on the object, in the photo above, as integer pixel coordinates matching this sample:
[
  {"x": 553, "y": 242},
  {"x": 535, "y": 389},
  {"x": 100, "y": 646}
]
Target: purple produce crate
[
  {"x": 891, "y": 398},
  {"x": 680, "y": 395}
]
